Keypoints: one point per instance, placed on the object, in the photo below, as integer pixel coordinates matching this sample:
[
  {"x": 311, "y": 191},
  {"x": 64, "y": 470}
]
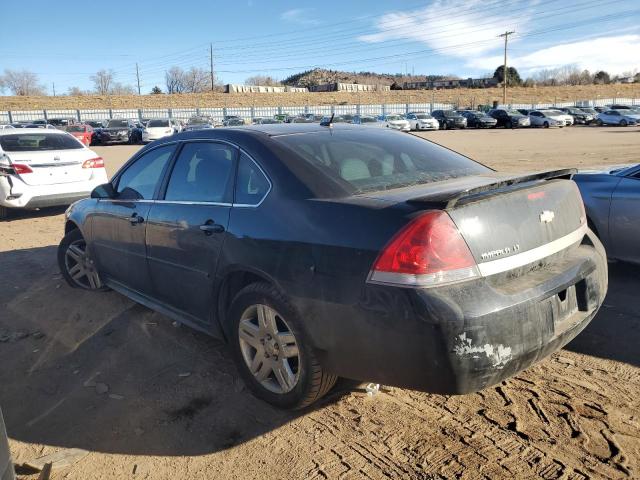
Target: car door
[
  {"x": 624, "y": 218},
  {"x": 186, "y": 228},
  {"x": 119, "y": 223}
]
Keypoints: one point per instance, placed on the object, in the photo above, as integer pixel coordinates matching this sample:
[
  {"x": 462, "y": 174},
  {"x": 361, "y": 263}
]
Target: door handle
[
  {"x": 135, "y": 219},
  {"x": 209, "y": 227}
]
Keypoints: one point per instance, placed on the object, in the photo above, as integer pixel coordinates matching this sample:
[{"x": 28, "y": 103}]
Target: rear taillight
[
  {"x": 429, "y": 251},
  {"x": 20, "y": 169},
  {"x": 97, "y": 162}
]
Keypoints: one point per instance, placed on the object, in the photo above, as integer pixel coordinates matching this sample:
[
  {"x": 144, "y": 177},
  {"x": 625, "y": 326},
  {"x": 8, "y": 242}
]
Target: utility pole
[
  {"x": 53, "y": 84},
  {"x": 211, "y": 62},
  {"x": 138, "y": 77},
  {"x": 504, "y": 67}
]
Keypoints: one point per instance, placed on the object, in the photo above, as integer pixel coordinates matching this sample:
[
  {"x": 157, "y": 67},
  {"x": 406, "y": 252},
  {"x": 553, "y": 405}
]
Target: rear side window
[
  {"x": 203, "y": 173},
  {"x": 251, "y": 186},
  {"x": 370, "y": 161},
  {"x": 30, "y": 142},
  {"x": 140, "y": 179}
]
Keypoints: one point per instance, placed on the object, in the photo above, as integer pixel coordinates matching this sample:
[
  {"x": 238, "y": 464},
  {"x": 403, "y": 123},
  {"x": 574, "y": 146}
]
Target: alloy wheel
[
  {"x": 269, "y": 348},
  {"x": 80, "y": 266}
]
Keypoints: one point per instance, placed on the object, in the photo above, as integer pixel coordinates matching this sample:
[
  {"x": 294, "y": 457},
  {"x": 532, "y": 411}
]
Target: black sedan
[
  {"x": 509, "y": 118},
  {"x": 449, "y": 119},
  {"x": 477, "y": 119},
  {"x": 319, "y": 252},
  {"x": 117, "y": 131}
]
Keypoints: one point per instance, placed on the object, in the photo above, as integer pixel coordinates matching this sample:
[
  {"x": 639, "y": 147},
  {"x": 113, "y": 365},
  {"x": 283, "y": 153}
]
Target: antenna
[{"x": 329, "y": 123}]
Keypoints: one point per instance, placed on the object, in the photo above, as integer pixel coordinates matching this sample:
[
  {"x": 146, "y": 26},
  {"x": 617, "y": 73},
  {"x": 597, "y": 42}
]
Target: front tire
[
  {"x": 545, "y": 124},
  {"x": 4, "y": 212},
  {"x": 599, "y": 122},
  {"x": 623, "y": 123},
  {"x": 275, "y": 359},
  {"x": 76, "y": 264}
]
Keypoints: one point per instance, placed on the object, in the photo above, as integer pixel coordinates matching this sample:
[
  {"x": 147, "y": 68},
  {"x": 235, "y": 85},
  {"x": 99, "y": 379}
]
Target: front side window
[
  {"x": 251, "y": 185},
  {"x": 140, "y": 179},
  {"x": 203, "y": 173}
]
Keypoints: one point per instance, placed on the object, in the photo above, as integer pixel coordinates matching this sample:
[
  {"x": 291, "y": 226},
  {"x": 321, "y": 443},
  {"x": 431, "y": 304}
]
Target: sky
[{"x": 66, "y": 42}]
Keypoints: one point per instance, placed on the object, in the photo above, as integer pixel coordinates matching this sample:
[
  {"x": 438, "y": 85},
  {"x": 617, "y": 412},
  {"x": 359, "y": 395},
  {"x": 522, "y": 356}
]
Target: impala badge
[{"x": 547, "y": 216}]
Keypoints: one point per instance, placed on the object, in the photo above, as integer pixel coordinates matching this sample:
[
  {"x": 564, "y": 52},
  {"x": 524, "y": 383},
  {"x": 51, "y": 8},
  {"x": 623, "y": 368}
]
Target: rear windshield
[
  {"x": 76, "y": 128},
  {"x": 158, "y": 123},
  {"x": 29, "y": 142},
  {"x": 118, "y": 124},
  {"x": 361, "y": 162}
]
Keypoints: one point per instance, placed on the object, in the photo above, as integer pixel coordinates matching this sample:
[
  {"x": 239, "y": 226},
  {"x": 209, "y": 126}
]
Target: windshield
[
  {"x": 197, "y": 121},
  {"x": 76, "y": 128},
  {"x": 359, "y": 161},
  {"x": 589, "y": 110},
  {"x": 552, "y": 112},
  {"x": 117, "y": 124},
  {"x": 450, "y": 113},
  {"x": 513, "y": 112},
  {"x": 31, "y": 142},
  {"x": 368, "y": 120},
  {"x": 422, "y": 116},
  {"x": 158, "y": 123},
  {"x": 94, "y": 123},
  {"x": 394, "y": 117}
]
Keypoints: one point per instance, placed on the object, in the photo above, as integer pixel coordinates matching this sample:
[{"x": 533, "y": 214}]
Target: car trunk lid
[
  {"x": 503, "y": 215},
  {"x": 53, "y": 166}
]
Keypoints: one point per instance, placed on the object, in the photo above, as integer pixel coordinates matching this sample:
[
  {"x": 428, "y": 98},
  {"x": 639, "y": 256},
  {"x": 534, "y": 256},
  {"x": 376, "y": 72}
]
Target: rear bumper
[
  {"x": 16, "y": 194},
  {"x": 464, "y": 337}
]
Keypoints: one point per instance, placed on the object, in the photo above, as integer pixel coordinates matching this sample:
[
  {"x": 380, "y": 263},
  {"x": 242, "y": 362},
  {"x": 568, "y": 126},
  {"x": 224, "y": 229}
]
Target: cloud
[
  {"x": 615, "y": 54},
  {"x": 301, "y": 16},
  {"x": 446, "y": 25}
]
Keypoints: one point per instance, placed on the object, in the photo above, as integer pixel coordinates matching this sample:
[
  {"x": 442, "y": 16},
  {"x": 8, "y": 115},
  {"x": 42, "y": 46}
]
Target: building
[
  {"x": 451, "y": 83},
  {"x": 233, "y": 88},
  {"x": 348, "y": 87}
]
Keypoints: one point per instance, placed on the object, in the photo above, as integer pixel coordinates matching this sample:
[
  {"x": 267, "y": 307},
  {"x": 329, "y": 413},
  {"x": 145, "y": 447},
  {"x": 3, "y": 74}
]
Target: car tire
[
  {"x": 508, "y": 124},
  {"x": 545, "y": 124},
  {"x": 623, "y": 123},
  {"x": 4, "y": 212},
  {"x": 76, "y": 265},
  {"x": 267, "y": 320},
  {"x": 599, "y": 123}
]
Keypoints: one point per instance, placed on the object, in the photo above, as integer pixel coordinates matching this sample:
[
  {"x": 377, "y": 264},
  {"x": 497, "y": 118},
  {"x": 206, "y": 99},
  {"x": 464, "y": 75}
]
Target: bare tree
[
  {"x": 22, "y": 83},
  {"x": 196, "y": 80},
  {"x": 120, "y": 89},
  {"x": 174, "y": 80},
  {"x": 262, "y": 80},
  {"x": 75, "y": 92},
  {"x": 102, "y": 81}
]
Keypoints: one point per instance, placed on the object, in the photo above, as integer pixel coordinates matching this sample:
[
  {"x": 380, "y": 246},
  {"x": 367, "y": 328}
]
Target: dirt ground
[
  {"x": 461, "y": 96},
  {"x": 150, "y": 400}
]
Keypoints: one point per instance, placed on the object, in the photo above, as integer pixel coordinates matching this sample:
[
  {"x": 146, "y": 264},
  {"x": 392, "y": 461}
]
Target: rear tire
[
  {"x": 599, "y": 123},
  {"x": 508, "y": 124},
  {"x": 623, "y": 123},
  {"x": 545, "y": 124},
  {"x": 272, "y": 353},
  {"x": 4, "y": 213}
]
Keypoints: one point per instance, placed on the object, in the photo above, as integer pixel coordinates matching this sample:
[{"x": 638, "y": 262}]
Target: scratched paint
[{"x": 499, "y": 355}]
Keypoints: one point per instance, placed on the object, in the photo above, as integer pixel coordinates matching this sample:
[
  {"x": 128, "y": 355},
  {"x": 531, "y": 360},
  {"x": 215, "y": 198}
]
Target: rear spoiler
[{"x": 450, "y": 199}]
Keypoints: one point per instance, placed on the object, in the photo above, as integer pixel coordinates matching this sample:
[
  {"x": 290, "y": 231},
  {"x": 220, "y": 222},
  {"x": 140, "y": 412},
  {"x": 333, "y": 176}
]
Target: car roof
[{"x": 15, "y": 131}]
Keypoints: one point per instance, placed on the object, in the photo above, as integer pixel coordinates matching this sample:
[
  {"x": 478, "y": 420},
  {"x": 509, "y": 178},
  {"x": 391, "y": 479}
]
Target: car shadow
[
  {"x": 615, "y": 331},
  {"x": 99, "y": 372},
  {"x": 19, "y": 214}
]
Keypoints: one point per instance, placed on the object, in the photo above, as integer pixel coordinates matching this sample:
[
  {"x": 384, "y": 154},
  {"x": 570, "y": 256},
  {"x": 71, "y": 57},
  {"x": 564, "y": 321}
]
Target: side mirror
[{"x": 103, "y": 191}]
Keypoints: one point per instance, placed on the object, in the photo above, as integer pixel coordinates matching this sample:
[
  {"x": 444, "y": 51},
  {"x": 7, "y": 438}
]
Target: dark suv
[
  {"x": 509, "y": 118},
  {"x": 449, "y": 119}
]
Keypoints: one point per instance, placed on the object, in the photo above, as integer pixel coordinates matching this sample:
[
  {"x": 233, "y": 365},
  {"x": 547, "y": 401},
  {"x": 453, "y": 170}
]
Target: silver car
[
  {"x": 621, "y": 118},
  {"x": 612, "y": 201}
]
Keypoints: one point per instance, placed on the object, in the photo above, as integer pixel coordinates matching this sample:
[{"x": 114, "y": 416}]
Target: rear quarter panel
[{"x": 596, "y": 191}]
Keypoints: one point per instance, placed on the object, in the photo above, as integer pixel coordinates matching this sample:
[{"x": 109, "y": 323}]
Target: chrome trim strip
[
  {"x": 189, "y": 202},
  {"x": 425, "y": 280},
  {"x": 514, "y": 261}
]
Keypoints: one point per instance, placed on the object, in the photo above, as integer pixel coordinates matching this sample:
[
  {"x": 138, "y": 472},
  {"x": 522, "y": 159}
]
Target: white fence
[{"x": 257, "y": 112}]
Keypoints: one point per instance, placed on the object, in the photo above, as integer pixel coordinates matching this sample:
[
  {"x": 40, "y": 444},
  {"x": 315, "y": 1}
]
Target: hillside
[
  {"x": 319, "y": 76},
  {"x": 462, "y": 97}
]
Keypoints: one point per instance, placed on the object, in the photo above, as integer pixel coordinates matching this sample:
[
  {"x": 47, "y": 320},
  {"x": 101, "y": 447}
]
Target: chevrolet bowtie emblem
[{"x": 547, "y": 216}]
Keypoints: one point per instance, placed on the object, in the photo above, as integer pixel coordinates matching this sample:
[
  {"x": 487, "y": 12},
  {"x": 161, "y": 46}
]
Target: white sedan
[
  {"x": 159, "y": 128},
  {"x": 396, "y": 122},
  {"x": 547, "y": 118},
  {"x": 45, "y": 168},
  {"x": 422, "y": 121}
]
